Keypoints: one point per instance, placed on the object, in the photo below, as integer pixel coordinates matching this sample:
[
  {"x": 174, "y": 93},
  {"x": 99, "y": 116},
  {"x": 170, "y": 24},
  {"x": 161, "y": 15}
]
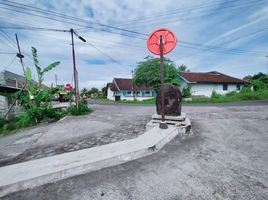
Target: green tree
[
  {"x": 186, "y": 91},
  {"x": 259, "y": 81},
  {"x": 104, "y": 91},
  {"x": 84, "y": 91},
  {"x": 94, "y": 90},
  {"x": 148, "y": 72},
  {"x": 182, "y": 68}
]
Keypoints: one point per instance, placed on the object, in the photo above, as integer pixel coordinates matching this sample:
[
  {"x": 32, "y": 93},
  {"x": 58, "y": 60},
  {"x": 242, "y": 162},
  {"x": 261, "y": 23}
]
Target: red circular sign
[{"x": 169, "y": 41}]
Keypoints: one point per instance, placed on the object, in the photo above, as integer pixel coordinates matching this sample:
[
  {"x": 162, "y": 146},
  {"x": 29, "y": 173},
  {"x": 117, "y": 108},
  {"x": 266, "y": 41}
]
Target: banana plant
[
  {"x": 37, "y": 92},
  {"x": 39, "y": 70}
]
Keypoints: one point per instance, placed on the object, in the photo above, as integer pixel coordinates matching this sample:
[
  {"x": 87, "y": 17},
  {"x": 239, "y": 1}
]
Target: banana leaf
[
  {"x": 28, "y": 74},
  {"x": 36, "y": 61},
  {"x": 51, "y": 66}
]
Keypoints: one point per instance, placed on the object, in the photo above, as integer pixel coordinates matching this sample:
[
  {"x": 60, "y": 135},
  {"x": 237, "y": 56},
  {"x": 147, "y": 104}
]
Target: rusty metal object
[{"x": 172, "y": 100}]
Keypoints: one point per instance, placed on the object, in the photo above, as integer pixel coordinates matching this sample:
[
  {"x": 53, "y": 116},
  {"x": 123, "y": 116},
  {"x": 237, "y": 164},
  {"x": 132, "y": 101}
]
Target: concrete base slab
[
  {"x": 50, "y": 169},
  {"x": 182, "y": 122},
  {"x": 170, "y": 118}
]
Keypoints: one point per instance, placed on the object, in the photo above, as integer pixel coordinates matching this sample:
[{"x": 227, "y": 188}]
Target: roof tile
[{"x": 210, "y": 77}]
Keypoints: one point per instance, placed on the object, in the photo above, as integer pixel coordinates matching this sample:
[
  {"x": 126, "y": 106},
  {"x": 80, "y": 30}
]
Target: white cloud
[{"x": 148, "y": 15}]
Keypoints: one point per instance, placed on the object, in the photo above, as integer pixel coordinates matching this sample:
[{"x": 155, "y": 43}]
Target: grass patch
[
  {"x": 231, "y": 97},
  {"x": 146, "y": 101},
  {"x": 82, "y": 109},
  {"x": 215, "y": 98},
  {"x": 24, "y": 120}
]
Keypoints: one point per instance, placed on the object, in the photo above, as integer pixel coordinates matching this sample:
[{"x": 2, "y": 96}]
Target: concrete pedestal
[{"x": 180, "y": 121}]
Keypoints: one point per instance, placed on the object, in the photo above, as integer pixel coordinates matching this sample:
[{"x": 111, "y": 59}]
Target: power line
[
  {"x": 39, "y": 10},
  {"x": 175, "y": 11},
  {"x": 38, "y": 28},
  {"x": 182, "y": 17},
  {"x": 105, "y": 54},
  {"x": 212, "y": 47},
  {"x": 6, "y": 53},
  {"x": 10, "y": 63},
  {"x": 247, "y": 35},
  {"x": 33, "y": 28},
  {"x": 6, "y": 36},
  {"x": 10, "y": 47}
]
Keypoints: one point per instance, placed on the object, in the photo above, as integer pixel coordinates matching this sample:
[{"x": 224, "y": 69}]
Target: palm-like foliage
[{"x": 39, "y": 70}]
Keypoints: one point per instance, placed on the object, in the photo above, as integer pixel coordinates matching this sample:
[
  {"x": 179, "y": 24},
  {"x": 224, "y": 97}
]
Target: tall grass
[
  {"x": 233, "y": 97},
  {"x": 216, "y": 98}
]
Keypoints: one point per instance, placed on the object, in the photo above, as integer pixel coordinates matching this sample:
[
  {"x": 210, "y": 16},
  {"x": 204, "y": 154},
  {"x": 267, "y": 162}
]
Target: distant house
[
  {"x": 123, "y": 89},
  {"x": 202, "y": 84}
]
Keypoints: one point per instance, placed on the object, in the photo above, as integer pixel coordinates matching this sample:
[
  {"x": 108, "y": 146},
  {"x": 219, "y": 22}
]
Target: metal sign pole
[
  {"x": 161, "y": 42},
  {"x": 163, "y": 124}
]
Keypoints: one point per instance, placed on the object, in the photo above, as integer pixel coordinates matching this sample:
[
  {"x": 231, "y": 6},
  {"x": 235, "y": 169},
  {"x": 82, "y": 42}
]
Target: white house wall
[
  {"x": 137, "y": 98},
  {"x": 3, "y": 105},
  {"x": 110, "y": 94},
  {"x": 206, "y": 89}
]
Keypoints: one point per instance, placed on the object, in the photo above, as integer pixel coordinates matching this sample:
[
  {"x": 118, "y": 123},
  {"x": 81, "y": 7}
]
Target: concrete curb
[{"x": 34, "y": 173}]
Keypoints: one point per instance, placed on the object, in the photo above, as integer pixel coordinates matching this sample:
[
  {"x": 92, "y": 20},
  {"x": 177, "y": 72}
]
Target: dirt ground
[{"x": 226, "y": 157}]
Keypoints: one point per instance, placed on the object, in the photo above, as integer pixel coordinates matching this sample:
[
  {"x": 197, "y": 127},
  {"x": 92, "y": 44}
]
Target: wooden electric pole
[
  {"x": 267, "y": 63},
  {"x": 19, "y": 55}
]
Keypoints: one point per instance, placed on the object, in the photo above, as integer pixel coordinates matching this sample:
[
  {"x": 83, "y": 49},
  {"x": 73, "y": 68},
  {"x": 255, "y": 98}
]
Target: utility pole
[
  {"x": 76, "y": 89},
  {"x": 19, "y": 55},
  {"x": 56, "y": 80},
  {"x": 267, "y": 63},
  {"x": 74, "y": 69},
  {"x": 133, "y": 86}
]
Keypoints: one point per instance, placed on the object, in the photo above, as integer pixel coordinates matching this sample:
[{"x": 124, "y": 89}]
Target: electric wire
[
  {"x": 12, "y": 61},
  {"x": 189, "y": 17},
  {"x": 107, "y": 55},
  {"x": 178, "y": 11}
]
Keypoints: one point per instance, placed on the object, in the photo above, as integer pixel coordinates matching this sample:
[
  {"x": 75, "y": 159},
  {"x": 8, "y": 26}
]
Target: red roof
[
  {"x": 209, "y": 77},
  {"x": 112, "y": 86},
  {"x": 125, "y": 84}
]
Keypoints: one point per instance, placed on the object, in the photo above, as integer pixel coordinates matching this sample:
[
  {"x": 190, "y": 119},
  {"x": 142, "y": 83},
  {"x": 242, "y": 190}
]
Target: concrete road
[
  {"x": 225, "y": 158},
  {"x": 107, "y": 124}
]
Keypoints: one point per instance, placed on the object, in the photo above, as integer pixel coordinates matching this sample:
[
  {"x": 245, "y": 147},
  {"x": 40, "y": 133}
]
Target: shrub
[
  {"x": 10, "y": 126},
  {"x": 52, "y": 113},
  {"x": 2, "y": 122},
  {"x": 36, "y": 114},
  {"x": 81, "y": 110},
  {"x": 215, "y": 95},
  {"x": 232, "y": 93},
  {"x": 186, "y": 91},
  {"x": 245, "y": 89},
  {"x": 23, "y": 120}
]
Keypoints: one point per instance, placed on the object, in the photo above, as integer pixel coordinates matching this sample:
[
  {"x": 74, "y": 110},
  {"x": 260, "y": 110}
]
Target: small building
[
  {"x": 124, "y": 89},
  {"x": 9, "y": 83},
  {"x": 204, "y": 83}
]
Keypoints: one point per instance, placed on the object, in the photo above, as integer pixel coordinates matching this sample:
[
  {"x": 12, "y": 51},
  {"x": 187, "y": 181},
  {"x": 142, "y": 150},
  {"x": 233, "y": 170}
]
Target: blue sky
[{"x": 229, "y": 36}]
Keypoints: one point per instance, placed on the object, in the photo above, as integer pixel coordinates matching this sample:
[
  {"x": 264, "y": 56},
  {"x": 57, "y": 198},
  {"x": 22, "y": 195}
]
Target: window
[
  {"x": 128, "y": 93},
  {"x": 146, "y": 93},
  {"x": 225, "y": 87},
  {"x": 238, "y": 87},
  {"x": 117, "y": 94},
  {"x": 124, "y": 93}
]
